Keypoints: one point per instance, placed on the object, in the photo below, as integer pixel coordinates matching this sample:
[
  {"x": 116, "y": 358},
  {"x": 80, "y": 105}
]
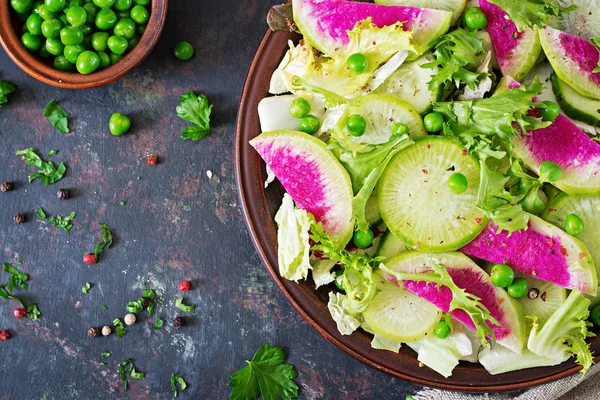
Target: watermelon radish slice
[
  {"x": 573, "y": 60},
  {"x": 325, "y": 23},
  {"x": 314, "y": 178},
  {"x": 516, "y": 52},
  {"x": 567, "y": 146},
  {"x": 542, "y": 251},
  {"x": 456, "y": 7},
  {"x": 468, "y": 276}
]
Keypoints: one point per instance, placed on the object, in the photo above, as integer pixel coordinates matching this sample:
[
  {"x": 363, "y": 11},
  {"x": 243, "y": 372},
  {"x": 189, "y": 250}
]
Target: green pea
[
  {"x": 442, "y": 330},
  {"x": 142, "y": 2},
  {"x": 595, "y": 315},
  {"x": 399, "y": 129},
  {"x": 122, "y": 5},
  {"x": 363, "y": 239},
  {"x": 104, "y": 60},
  {"x": 106, "y": 19},
  {"x": 122, "y": 14},
  {"x": 458, "y": 183},
  {"x": 140, "y": 15},
  {"x": 77, "y": 16},
  {"x": 87, "y": 29},
  {"x": 125, "y": 28},
  {"x": 21, "y": 6},
  {"x": 63, "y": 20},
  {"x": 46, "y": 14},
  {"x": 339, "y": 280},
  {"x": 36, "y": 7},
  {"x": 87, "y": 62},
  {"x": 31, "y": 42},
  {"x": 300, "y": 108},
  {"x": 44, "y": 53},
  {"x": 518, "y": 289},
  {"x": 310, "y": 124},
  {"x": 119, "y": 124},
  {"x": 356, "y": 125},
  {"x": 74, "y": 3},
  {"x": 91, "y": 11},
  {"x": 502, "y": 275},
  {"x": 573, "y": 224},
  {"x": 117, "y": 44},
  {"x": 62, "y": 64},
  {"x": 115, "y": 58},
  {"x": 34, "y": 24},
  {"x": 51, "y": 28},
  {"x": 55, "y": 5},
  {"x": 357, "y": 63},
  {"x": 100, "y": 41},
  {"x": 475, "y": 18},
  {"x": 184, "y": 51},
  {"x": 72, "y": 52},
  {"x": 133, "y": 42},
  {"x": 551, "y": 112},
  {"x": 71, "y": 35},
  {"x": 104, "y": 3},
  {"x": 550, "y": 172},
  {"x": 141, "y": 29},
  {"x": 433, "y": 122},
  {"x": 55, "y": 46}
]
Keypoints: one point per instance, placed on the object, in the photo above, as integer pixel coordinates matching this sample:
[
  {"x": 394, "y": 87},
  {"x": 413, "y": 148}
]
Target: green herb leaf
[
  {"x": 51, "y": 153},
  {"x": 159, "y": 323},
  {"x": 57, "y": 117},
  {"x": 6, "y": 88},
  {"x": 47, "y": 172},
  {"x": 58, "y": 221},
  {"x": 150, "y": 294},
  {"x": 4, "y": 294},
  {"x": 33, "y": 312},
  {"x": 529, "y": 13},
  {"x": 176, "y": 379},
  {"x": 122, "y": 203},
  {"x": 135, "y": 374},
  {"x": 86, "y": 288},
  {"x": 106, "y": 242},
  {"x": 119, "y": 327},
  {"x": 197, "y": 110},
  {"x": 134, "y": 306},
  {"x": 151, "y": 307},
  {"x": 596, "y": 42},
  {"x": 103, "y": 307},
  {"x": 265, "y": 375},
  {"x": 187, "y": 308},
  {"x": 106, "y": 353},
  {"x": 17, "y": 279}
]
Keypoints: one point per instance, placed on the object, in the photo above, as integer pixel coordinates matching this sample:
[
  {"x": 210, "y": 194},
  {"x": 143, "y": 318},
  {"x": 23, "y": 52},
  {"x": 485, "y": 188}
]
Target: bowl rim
[
  {"x": 37, "y": 69},
  {"x": 467, "y": 377}
]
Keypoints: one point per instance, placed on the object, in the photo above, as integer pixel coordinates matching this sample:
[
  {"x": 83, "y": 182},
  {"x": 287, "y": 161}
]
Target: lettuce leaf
[
  {"x": 381, "y": 343},
  {"x": 321, "y": 272},
  {"x": 293, "y": 225},
  {"x": 498, "y": 360},
  {"x": 529, "y": 13},
  {"x": 338, "y": 308},
  {"x": 564, "y": 334}
]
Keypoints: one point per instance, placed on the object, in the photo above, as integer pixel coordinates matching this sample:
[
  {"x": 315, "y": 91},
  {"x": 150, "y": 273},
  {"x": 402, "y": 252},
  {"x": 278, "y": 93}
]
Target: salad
[{"x": 442, "y": 173}]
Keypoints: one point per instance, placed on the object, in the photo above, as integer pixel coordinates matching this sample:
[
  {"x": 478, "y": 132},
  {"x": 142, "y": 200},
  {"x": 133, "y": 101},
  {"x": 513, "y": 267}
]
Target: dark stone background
[{"x": 177, "y": 224}]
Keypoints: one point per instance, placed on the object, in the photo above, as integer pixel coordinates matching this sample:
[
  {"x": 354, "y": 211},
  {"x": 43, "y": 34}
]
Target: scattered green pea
[
  {"x": 551, "y": 112},
  {"x": 119, "y": 124},
  {"x": 502, "y": 275},
  {"x": 518, "y": 289},
  {"x": 363, "y": 239},
  {"x": 442, "y": 330},
  {"x": 184, "y": 51},
  {"x": 475, "y": 18},
  {"x": 458, "y": 183},
  {"x": 573, "y": 224},
  {"x": 433, "y": 122},
  {"x": 300, "y": 108},
  {"x": 310, "y": 124},
  {"x": 356, "y": 125},
  {"x": 357, "y": 63}
]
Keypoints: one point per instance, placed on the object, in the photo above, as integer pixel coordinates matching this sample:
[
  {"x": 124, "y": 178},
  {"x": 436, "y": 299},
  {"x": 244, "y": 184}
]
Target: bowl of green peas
[{"x": 80, "y": 44}]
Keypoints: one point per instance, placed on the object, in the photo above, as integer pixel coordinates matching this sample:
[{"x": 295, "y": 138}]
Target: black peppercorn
[
  {"x": 145, "y": 303},
  {"x": 62, "y": 194},
  {"x": 19, "y": 218},
  {"x": 6, "y": 186},
  {"x": 94, "y": 332},
  {"x": 533, "y": 293},
  {"x": 178, "y": 322}
]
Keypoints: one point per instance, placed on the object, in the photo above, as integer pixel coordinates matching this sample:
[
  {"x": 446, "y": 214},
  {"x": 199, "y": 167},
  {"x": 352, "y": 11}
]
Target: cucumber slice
[
  {"x": 390, "y": 246},
  {"x": 372, "y": 213},
  {"x": 456, "y": 7},
  {"x": 575, "y": 105},
  {"x": 418, "y": 206},
  {"x": 399, "y": 315},
  {"x": 549, "y": 298},
  {"x": 409, "y": 83}
]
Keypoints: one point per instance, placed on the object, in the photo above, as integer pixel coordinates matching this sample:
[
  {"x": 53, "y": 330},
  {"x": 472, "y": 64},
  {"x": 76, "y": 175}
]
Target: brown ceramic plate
[{"x": 260, "y": 206}]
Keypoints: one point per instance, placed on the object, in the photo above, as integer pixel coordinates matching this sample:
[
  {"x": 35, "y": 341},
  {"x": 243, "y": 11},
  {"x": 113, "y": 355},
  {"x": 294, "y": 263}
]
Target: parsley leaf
[
  {"x": 119, "y": 327},
  {"x": 132, "y": 372},
  {"x": 106, "y": 240},
  {"x": 183, "y": 307},
  {"x": 529, "y": 13},
  {"x": 179, "y": 380},
  {"x": 596, "y": 42},
  {"x": 58, "y": 221},
  {"x": 197, "y": 110},
  {"x": 47, "y": 171},
  {"x": 159, "y": 323},
  {"x": 106, "y": 353},
  {"x": 265, "y": 375},
  {"x": 86, "y": 288},
  {"x": 17, "y": 278},
  {"x": 6, "y": 88},
  {"x": 57, "y": 117}
]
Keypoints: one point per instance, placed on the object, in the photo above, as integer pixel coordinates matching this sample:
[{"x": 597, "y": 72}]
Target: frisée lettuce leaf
[
  {"x": 293, "y": 225},
  {"x": 529, "y": 13}
]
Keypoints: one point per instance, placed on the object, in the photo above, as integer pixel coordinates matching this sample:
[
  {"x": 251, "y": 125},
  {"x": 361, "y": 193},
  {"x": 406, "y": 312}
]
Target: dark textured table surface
[{"x": 177, "y": 224}]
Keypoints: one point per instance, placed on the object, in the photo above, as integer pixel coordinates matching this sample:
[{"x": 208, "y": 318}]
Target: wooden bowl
[
  {"x": 42, "y": 70},
  {"x": 259, "y": 206}
]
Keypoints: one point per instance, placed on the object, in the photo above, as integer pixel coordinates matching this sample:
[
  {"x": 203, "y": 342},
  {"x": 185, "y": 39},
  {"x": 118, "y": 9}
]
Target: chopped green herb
[
  {"x": 138, "y": 178},
  {"x": 57, "y": 117},
  {"x": 106, "y": 240},
  {"x": 102, "y": 364},
  {"x": 17, "y": 278},
  {"x": 6, "y": 88},
  {"x": 122, "y": 203},
  {"x": 123, "y": 370},
  {"x": 119, "y": 327},
  {"x": 183, "y": 307},
  {"x": 86, "y": 288},
  {"x": 596, "y": 42},
  {"x": 150, "y": 294},
  {"x": 265, "y": 375},
  {"x": 33, "y": 312},
  {"x": 106, "y": 353},
  {"x": 47, "y": 171},
  {"x": 135, "y": 306},
  {"x": 58, "y": 221},
  {"x": 176, "y": 379},
  {"x": 197, "y": 110},
  {"x": 104, "y": 307},
  {"x": 159, "y": 323},
  {"x": 51, "y": 153}
]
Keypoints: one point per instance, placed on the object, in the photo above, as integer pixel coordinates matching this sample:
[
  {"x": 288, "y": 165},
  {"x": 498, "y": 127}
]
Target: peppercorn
[
  {"x": 130, "y": 319},
  {"x": 533, "y": 293},
  {"x": 178, "y": 322},
  {"x": 63, "y": 194},
  {"x": 4, "y": 335},
  {"x": 145, "y": 302},
  {"x": 151, "y": 159},
  {"x": 19, "y": 218},
  {"x": 6, "y": 186},
  {"x": 185, "y": 286},
  {"x": 94, "y": 332},
  {"x": 89, "y": 258},
  {"x": 106, "y": 330},
  {"x": 19, "y": 313}
]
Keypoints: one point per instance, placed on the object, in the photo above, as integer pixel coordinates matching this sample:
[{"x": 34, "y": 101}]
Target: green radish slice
[
  {"x": 418, "y": 206},
  {"x": 409, "y": 83},
  {"x": 573, "y": 60},
  {"x": 456, "y": 7},
  {"x": 399, "y": 315},
  {"x": 372, "y": 213},
  {"x": 583, "y": 21},
  {"x": 575, "y": 105},
  {"x": 390, "y": 246},
  {"x": 549, "y": 298}
]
